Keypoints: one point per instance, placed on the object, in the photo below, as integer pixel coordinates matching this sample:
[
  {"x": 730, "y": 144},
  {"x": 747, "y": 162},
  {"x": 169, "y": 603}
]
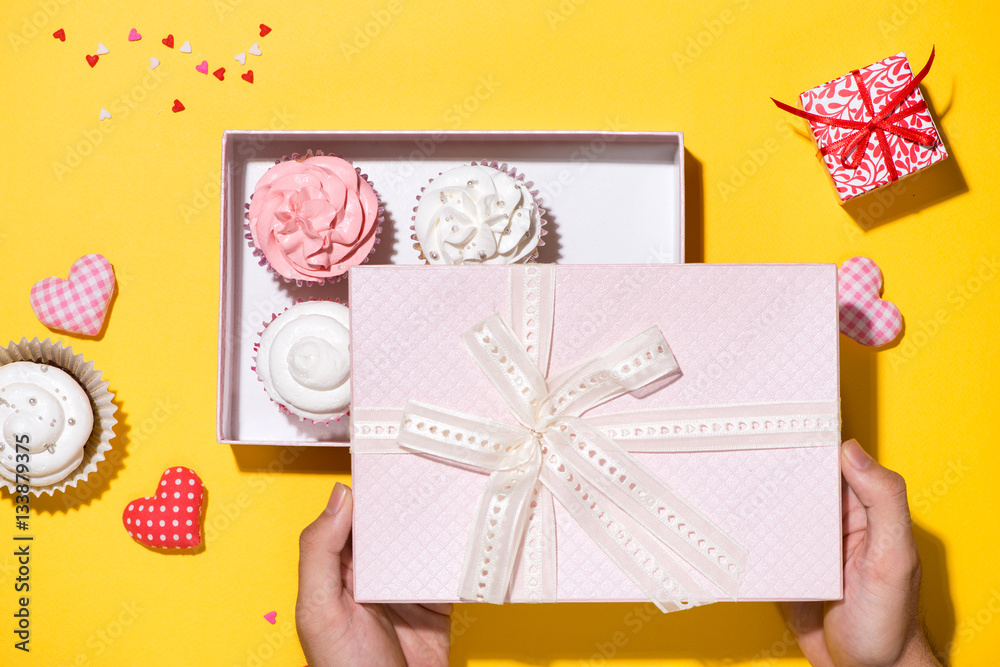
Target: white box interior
[{"x": 609, "y": 197}]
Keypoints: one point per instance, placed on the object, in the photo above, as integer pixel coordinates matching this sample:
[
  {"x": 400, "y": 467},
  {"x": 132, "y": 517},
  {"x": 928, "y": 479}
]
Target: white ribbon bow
[{"x": 641, "y": 524}]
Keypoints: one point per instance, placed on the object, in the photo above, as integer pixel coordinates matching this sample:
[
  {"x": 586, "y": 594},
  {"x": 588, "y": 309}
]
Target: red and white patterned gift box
[{"x": 872, "y": 126}]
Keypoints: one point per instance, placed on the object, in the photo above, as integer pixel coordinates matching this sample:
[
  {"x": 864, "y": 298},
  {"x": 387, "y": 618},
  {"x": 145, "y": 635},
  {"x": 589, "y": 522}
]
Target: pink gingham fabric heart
[
  {"x": 79, "y": 304},
  {"x": 864, "y": 316}
]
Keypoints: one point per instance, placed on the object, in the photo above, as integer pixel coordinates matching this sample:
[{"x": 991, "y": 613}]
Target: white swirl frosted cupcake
[
  {"x": 57, "y": 417},
  {"x": 483, "y": 213},
  {"x": 303, "y": 359}
]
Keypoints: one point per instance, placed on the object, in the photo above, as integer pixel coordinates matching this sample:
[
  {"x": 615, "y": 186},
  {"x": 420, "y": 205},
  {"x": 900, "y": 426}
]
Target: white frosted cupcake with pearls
[
  {"x": 57, "y": 417},
  {"x": 303, "y": 359},
  {"x": 483, "y": 213}
]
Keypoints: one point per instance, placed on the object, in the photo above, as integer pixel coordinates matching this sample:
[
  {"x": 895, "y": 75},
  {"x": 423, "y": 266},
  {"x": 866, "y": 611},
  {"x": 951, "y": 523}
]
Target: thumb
[
  {"x": 882, "y": 492},
  {"x": 320, "y": 545}
]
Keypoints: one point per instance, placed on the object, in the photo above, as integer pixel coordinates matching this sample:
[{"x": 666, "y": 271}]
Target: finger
[
  {"x": 805, "y": 620},
  {"x": 855, "y": 520},
  {"x": 443, "y": 608},
  {"x": 320, "y": 545},
  {"x": 882, "y": 493},
  {"x": 347, "y": 566}
]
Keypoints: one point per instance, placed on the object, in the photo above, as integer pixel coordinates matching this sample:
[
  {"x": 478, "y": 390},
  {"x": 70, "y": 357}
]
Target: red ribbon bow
[{"x": 851, "y": 149}]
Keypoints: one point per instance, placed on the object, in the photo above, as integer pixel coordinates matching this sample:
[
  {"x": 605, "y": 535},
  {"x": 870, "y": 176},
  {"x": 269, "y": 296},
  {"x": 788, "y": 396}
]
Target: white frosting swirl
[
  {"x": 477, "y": 214},
  {"x": 304, "y": 360},
  {"x": 47, "y": 412}
]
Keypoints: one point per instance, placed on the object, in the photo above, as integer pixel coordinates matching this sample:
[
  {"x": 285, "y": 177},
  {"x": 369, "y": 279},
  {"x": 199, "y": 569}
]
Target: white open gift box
[{"x": 609, "y": 198}]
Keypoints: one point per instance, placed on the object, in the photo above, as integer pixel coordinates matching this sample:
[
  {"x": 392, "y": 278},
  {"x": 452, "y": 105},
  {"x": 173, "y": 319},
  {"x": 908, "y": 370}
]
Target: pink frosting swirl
[{"x": 313, "y": 219}]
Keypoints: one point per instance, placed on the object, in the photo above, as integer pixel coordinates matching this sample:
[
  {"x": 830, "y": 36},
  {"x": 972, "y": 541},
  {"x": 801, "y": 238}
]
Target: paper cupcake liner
[
  {"x": 54, "y": 354},
  {"x": 299, "y": 282},
  {"x": 510, "y": 171},
  {"x": 281, "y": 406}
]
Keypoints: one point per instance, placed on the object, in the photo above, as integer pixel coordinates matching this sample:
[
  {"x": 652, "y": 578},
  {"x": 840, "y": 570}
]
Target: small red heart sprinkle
[
  {"x": 177, "y": 106},
  {"x": 134, "y": 36},
  {"x": 248, "y": 77},
  {"x": 219, "y": 73},
  {"x": 92, "y": 60},
  {"x": 264, "y": 30},
  {"x": 60, "y": 34},
  {"x": 168, "y": 41}
]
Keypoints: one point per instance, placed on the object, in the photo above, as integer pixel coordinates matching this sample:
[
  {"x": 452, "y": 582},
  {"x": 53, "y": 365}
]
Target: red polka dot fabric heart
[
  {"x": 864, "y": 315},
  {"x": 79, "y": 304},
  {"x": 171, "y": 518}
]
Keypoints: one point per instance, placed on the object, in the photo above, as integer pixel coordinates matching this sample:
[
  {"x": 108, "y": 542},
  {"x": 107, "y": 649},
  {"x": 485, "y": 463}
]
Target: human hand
[
  {"x": 334, "y": 630},
  {"x": 876, "y": 624}
]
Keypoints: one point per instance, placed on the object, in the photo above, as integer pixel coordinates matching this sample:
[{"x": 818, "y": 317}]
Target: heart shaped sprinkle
[
  {"x": 168, "y": 41},
  {"x": 864, "y": 316},
  {"x": 60, "y": 34},
  {"x": 272, "y": 617},
  {"x": 134, "y": 36},
  {"x": 220, "y": 73},
  {"x": 104, "y": 115},
  {"x": 177, "y": 106},
  {"x": 153, "y": 62},
  {"x": 248, "y": 77},
  {"x": 79, "y": 304},
  {"x": 203, "y": 67},
  {"x": 264, "y": 30},
  {"x": 241, "y": 58},
  {"x": 185, "y": 47},
  {"x": 254, "y": 49},
  {"x": 92, "y": 60},
  {"x": 101, "y": 49},
  {"x": 171, "y": 517}
]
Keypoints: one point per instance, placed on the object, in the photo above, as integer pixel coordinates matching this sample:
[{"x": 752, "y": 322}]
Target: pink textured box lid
[{"x": 740, "y": 333}]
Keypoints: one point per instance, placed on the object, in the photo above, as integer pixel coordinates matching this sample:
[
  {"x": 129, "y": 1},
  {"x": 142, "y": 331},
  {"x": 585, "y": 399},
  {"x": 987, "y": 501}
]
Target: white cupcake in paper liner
[
  {"x": 57, "y": 402},
  {"x": 483, "y": 213},
  {"x": 311, "y": 217},
  {"x": 302, "y": 357}
]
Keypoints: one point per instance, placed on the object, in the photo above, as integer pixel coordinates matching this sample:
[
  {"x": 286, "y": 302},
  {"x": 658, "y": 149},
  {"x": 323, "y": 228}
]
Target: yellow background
[{"x": 142, "y": 188}]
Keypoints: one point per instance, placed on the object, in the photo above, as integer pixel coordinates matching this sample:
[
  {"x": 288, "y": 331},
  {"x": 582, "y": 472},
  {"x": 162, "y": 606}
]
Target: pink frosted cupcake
[
  {"x": 312, "y": 217},
  {"x": 304, "y": 360},
  {"x": 483, "y": 213}
]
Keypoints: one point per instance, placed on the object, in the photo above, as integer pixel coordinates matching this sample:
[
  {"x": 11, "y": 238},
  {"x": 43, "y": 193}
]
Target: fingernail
[
  {"x": 855, "y": 455},
  {"x": 336, "y": 498}
]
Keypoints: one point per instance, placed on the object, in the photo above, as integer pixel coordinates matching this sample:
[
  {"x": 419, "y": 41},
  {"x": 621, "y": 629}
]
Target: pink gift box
[
  {"x": 751, "y": 341},
  {"x": 879, "y": 159}
]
